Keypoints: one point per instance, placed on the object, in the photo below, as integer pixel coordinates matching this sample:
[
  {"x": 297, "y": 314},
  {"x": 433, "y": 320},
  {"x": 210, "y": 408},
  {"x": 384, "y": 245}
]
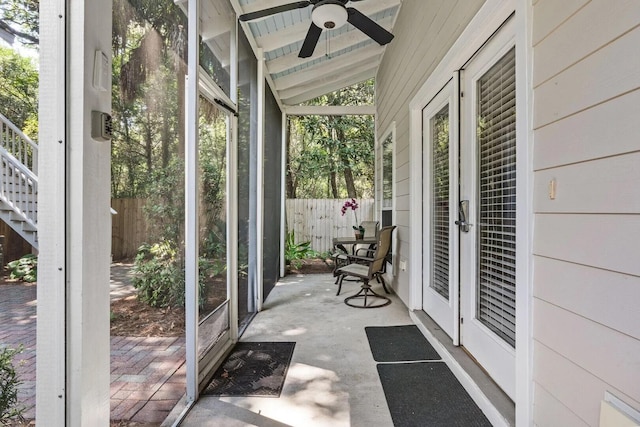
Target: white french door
[
  {"x": 488, "y": 183},
  {"x": 469, "y": 199},
  {"x": 440, "y": 192}
]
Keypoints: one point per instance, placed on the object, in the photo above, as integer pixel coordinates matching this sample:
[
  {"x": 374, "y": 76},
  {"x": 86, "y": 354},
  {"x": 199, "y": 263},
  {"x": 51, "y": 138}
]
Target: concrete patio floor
[{"x": 332, "y": 380}]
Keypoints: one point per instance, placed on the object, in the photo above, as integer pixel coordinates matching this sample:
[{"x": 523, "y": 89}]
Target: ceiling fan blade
[
  {"x": 273, "y": 10},
  {"x": 310, "y": 41},
  {"x": 368, "y": 26}
]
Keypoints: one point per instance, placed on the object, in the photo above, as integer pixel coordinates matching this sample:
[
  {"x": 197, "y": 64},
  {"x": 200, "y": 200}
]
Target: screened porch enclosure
[{"x": 232, "y": 260}]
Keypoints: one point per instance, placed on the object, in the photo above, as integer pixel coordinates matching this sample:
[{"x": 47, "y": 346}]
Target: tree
[
  {"x": 19, "y": 90},
  {"x": 148, "y": 78},
  {"x": 332, "y": 156},
  {"x": 21, "y": 19}
]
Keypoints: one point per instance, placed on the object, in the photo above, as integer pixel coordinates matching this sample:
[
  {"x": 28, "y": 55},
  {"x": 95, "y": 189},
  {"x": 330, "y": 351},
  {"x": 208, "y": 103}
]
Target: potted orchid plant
[{"x": 353, "y": 205}]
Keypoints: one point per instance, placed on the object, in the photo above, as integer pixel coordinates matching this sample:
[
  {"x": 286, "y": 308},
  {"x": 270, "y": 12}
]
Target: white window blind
[
  {"x": 440, "y": 202},
  {"x": 496, "y": 287},
  {"x": 387, "y": 172}
]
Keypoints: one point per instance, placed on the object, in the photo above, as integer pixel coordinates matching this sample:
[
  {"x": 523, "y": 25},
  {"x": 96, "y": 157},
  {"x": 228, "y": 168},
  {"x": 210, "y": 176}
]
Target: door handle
[{"x": 463, "y": 214}]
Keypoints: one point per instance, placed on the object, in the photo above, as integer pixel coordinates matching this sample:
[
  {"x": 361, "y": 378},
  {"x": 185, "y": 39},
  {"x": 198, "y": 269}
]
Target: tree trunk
[
  {"x": 181, "y": 74},
  {"x": 334, "y": 185},
  {"x": 351, "y": 187},
  {"x": 148, "y": 146},
  {"x": 333, "y": 180},
  {"x": 166, "y": 138},
  {"x": 291, "y": 185},
  {"x": 348, "y": 173}
]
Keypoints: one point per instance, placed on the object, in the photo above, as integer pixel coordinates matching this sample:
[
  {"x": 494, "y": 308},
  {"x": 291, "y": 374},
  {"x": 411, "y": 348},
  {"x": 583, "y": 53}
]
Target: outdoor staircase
[{"x": 19, "y": 181}]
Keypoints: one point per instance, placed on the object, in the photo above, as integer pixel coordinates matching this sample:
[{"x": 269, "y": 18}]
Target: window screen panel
[
  {"x": 496, "y": 130},
  {"x": 440, "y": 202}
]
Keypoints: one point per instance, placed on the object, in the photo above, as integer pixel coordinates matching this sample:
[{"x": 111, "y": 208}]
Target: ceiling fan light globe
[{"x": 329, "y": 16}]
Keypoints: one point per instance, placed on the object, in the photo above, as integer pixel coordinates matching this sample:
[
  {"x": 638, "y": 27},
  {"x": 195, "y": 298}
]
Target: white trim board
[{"x": 330, "y": 110}]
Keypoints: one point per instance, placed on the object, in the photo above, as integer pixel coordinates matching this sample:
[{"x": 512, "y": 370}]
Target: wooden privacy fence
[
  {"x": 314, "y": 220},
  {"x": 128, "y": 227},
  {"x": 320, "y": 220}
]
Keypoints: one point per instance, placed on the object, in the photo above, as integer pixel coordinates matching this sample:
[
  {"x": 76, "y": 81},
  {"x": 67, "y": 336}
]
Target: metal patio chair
[
  {"x": 367, "y": 268},
  {"x": 340, "y": 252}
]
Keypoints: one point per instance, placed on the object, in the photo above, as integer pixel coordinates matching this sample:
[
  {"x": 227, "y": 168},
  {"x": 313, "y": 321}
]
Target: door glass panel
[
  {"x": 212, "y": 217},
  {"x": 440, "y": 202},
  {"x": 496, "y": 130}
]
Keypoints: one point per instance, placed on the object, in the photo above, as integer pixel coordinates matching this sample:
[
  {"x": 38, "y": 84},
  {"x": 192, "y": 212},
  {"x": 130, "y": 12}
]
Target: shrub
[
  {"x": 9, "y": 382},
  {"x": 294, "y": 252},
  {"x": 157, "y": 276},
  {"x": 25, "y": 268}
]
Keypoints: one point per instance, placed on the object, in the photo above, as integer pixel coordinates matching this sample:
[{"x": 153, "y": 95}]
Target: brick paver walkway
[
  {"x": 18, "y": 327},
  {"x": 147, "y": 374}
]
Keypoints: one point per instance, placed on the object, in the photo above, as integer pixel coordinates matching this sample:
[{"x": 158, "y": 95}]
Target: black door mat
[
  {"x": 252, "y": 369},
  {"x": 428, "y": 394},
  {"x": 399, "y": 344}
]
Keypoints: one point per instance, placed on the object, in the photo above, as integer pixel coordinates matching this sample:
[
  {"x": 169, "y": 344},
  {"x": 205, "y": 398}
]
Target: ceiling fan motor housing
[{"x": 329, "y": 14}]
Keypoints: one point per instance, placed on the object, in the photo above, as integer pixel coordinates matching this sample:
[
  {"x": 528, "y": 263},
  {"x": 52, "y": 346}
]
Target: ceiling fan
[{"x": 327, "y": 14}]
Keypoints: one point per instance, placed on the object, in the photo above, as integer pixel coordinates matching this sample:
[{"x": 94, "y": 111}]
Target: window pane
[
  {"x": 497, "y": 208},
  {"x": 387, "y": 172},
  {"x": 440, "y": 202}
]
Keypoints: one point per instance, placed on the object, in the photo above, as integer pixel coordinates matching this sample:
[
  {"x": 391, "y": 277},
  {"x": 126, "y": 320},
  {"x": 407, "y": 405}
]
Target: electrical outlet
[{"x": 403, "y": 265}]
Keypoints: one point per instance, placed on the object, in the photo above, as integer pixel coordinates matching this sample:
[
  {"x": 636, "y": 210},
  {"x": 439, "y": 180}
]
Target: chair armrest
[
  {"x": 368, "y": 251},
  {"x": 359, "y": 258}
]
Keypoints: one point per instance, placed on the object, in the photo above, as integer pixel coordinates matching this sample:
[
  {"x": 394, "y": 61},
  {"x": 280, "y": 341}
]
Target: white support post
[
  {"x": 191, "y": 202},
  {"x": 232, "y": 226},
  {"x": 260, "y": 184},
  {"x": 75, "y": 236},
  {"x": 50, "y": 370},
  {"x": 283, "y": 196}
]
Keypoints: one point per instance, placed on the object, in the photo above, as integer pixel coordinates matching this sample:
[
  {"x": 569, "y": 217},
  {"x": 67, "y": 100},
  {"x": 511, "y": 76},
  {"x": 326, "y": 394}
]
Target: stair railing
[
  {"x": 18, "y": 187},
  {"x": 15, "y": 142}
]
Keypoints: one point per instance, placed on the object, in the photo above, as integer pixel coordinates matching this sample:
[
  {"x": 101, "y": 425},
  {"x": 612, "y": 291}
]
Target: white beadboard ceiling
[{"x": 343, "y": 57}]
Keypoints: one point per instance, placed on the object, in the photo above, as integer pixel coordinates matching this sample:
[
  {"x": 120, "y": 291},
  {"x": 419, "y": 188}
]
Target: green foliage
[
  {"x": 9, "y": 382},
  {"x": 19, "y": 91},
  {"x": 22, "y": 19},
  {"x": 25, "y": 268},
  {"x": 332, "y": 156},
  {"x": 164, "y": 208},
  {"x": 157, "y": 275},
  {"x": 149, "y": 45},
  {"x": 294, "y": 252}
]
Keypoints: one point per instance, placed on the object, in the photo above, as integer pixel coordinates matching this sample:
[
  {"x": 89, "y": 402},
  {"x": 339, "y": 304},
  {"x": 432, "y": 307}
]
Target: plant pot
[{"x": 358, "y": 236}]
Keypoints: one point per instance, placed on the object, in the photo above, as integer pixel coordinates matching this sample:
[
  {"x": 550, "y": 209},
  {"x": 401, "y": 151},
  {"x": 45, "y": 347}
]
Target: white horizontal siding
[
  {"x": 586, "y": 265},
  {"x": 609, "y": 242},
  {"x": 582, "y": 289},
  {"x": 608, "y": 355},
  {"x": 549, "y": 15},
  {"x": 424, "y": 32},
  {"x": 603, "y": 75},
  {"x": 576, "y": 388},
  {"x": 549, "y": 411},
  {"x": 570, "y": 43},
  {"x": 598, "y": 186},
  {"x": 599, "y": 131}
]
